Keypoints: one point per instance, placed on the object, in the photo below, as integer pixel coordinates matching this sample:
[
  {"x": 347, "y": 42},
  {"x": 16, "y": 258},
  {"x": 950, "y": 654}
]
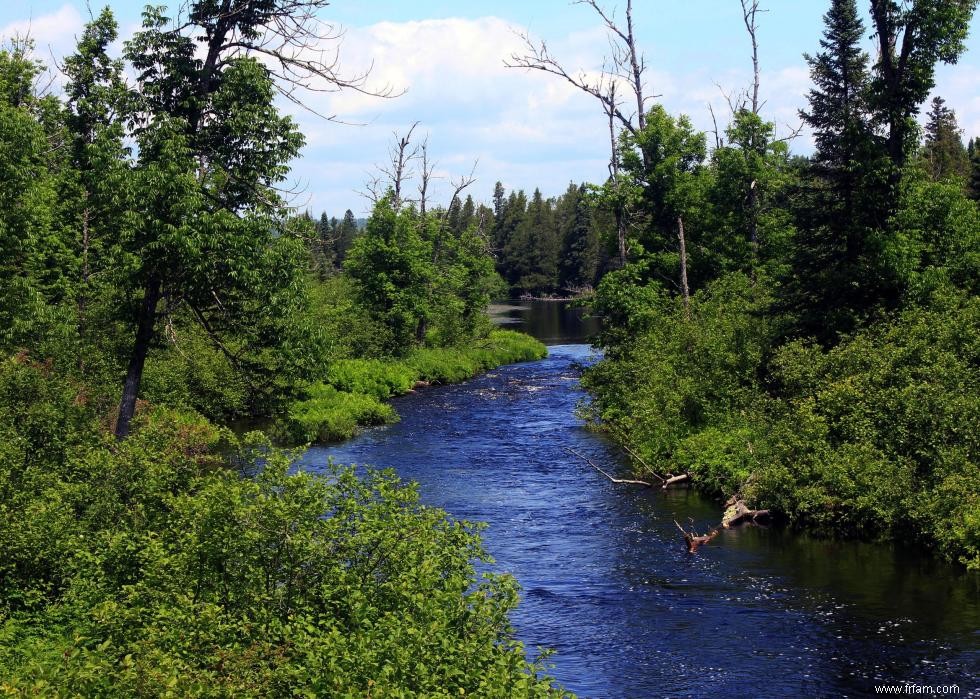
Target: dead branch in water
[
  {"x": 694, "y": 540},
  {"x": 596, "y": 466},
  {"x": 736, "y": 512},
  {"x": 676, "y": 479}
]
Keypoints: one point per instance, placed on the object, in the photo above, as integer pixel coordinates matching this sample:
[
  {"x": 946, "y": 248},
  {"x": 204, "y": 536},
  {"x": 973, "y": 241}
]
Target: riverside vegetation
[
  {"x": 804, "y": 332},
  {"x": 153, "y": 289}
]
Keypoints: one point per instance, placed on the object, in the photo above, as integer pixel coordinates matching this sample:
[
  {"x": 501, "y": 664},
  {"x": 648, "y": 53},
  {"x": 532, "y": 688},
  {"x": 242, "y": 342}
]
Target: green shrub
[
  {"x": 374, "y": 377},
  {"x": 329, "y": 415},
  {"x": 157, "y": 567}
]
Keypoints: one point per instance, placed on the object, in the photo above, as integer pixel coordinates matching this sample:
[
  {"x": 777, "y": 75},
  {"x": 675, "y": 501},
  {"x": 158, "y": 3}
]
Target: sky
[{"x": 528, "y": 130}]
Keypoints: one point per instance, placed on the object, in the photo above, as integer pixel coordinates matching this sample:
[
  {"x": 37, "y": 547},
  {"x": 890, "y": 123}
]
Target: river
[{"x": 606, "y": 580}]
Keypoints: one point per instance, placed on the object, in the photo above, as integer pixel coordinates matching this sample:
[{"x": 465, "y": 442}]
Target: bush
[
  {"x": 374, "y": 377},
  {"x": 158, "y": 567},
  {"x": 329, "y": 415},
  {"x": 875, "y": 437}
]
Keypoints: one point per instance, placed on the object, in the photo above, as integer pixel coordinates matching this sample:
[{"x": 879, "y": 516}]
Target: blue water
[{"x": 607, "y": 582}]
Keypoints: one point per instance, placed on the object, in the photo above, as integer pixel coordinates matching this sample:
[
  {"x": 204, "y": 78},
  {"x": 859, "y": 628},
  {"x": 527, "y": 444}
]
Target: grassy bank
[{"x": 354, "y": 391}]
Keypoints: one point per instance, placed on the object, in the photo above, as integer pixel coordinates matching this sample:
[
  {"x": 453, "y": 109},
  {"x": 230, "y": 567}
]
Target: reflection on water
[
  {"x": 552, "y": 322},
  {"x": 607, "y": 582}
]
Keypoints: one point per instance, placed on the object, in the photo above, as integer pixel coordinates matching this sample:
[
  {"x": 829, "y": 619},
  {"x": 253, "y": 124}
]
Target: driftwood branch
[
  {"x": 693, "y": 540},
  {"x": 644, "y": 464},
  {"x": 671, "y": 480},
  {"x": 596, "y": 466}
]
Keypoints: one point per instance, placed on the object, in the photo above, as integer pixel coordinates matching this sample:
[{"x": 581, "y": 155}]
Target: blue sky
[{"x": 527, "y": 130}]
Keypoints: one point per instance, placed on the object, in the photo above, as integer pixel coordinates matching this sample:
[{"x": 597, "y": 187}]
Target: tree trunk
[
  {"x": 685, "y": 291},
  {"x": 134, "y": 374}
]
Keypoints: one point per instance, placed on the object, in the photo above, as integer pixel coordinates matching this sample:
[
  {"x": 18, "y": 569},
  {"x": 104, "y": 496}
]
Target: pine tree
[
  {"x": 466, "y": 215},
  {"x": 973, "y": 185},
  {"x": 323, "y": 251},
  {"x": 943, "y": 154},
  {"x": 833, "y": 277},
  {"x": 344, "y": 235},
  {"x": 579, "y": 258}
]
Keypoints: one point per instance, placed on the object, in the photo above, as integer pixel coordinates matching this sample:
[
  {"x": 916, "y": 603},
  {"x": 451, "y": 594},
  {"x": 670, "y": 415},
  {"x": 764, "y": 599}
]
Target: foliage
[
  {"x": 829, "y": 374},
  {"x": 353, "y": 389},
  {"x": 159, "y": 567},
  {"x": 420, "y": 280}
]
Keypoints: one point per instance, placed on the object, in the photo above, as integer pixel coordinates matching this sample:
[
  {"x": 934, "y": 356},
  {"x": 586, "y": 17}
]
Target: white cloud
[{"x": 54, "y": 31}]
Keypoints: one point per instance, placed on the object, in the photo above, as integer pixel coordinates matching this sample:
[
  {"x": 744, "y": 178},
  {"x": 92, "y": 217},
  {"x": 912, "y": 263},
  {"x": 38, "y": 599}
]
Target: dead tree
[
  {"x": 425, "y": 176},
  {"x": 750, "y": 10},
  {"x": 626, "y": 64},
  {"x": 685, "y": 290}
]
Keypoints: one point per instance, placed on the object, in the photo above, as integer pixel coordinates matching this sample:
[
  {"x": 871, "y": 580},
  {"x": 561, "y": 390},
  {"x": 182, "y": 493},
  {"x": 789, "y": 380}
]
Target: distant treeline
[{"x": 557, "y": 246}]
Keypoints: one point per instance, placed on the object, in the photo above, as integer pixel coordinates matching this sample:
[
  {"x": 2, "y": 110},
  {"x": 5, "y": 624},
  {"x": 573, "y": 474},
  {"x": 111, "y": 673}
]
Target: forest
[
  {"x": 156, "y": 290},
  {"x": 799, "y": 332}
]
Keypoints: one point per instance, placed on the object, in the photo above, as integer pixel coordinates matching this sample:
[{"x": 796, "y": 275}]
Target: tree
[
  {"x": 625, "y": 63},
  {"x": 913, "y": 36},
  {"x": 344, "y": 233},
  {"x": 835, "y": 274},
  {"x": 97, "y": 103},
  {"x": 665, "y": 164},
  {"x": 973, "y": 187},
  {"x": 943, "y": 153},
  {"x": 532, "y": 251},
  {"x": 579, "y": 259},
  {"x": 212, "y": 149}
]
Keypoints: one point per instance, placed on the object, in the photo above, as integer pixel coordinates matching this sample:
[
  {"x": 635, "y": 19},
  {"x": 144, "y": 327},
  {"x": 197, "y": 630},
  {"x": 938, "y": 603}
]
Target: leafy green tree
[
  {"x": 391, "y": 265},
  {"x": 664, "y": 164},
  {"x": 37, "y": 256},
  {"x": 749, "y": 175},
  {"x": 912, "y": 38},
  {"x": 212, "y": 147}
]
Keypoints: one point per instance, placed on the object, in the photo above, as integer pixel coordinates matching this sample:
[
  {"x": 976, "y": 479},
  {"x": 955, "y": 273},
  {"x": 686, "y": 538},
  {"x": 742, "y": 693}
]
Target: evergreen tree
[
  {"x": 323, "y": 250},
  {"x": 509, "y": 214},
  {"x": 944, "y": 154},
  {"x": 467, "y": 213},
  {"x": 834, "y": 277},
  {"x": 532, "y": 250},
  {"x": 579, "y": 257},
  {"x": 973, "y": 185},
  {"x": 344, "y": 234},
  {"x": 97, "y": 103}
]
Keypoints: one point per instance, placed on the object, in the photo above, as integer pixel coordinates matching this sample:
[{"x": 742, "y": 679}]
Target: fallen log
[
  {"x": 627, "y": 481},
  {"x": 736, "y": 512},
  {"x": 671, "y": 480}
]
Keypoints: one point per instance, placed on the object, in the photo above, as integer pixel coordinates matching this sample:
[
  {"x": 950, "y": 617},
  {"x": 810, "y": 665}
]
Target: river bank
[{"x": 355, "y": 392}]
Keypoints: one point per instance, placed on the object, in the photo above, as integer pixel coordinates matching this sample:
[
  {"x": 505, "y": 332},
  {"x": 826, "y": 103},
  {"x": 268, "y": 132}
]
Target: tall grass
[{"x": 352, "y": 394}]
